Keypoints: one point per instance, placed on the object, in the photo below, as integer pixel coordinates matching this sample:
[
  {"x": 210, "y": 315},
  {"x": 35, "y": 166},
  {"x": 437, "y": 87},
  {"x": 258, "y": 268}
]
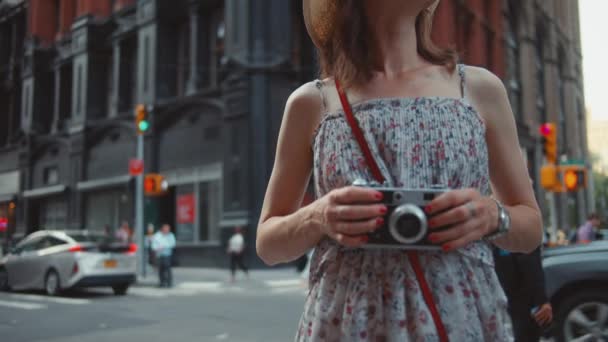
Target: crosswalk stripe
[
  {"x": 58, "y": 300},
  {"x": 142, "y": 291},
  {"x": 284, "y": 282},
  {"x": 19, "y": 305}
]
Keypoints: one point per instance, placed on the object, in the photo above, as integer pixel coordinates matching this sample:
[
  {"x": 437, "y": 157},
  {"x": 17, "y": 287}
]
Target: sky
[{"x": 594, "y": 38}]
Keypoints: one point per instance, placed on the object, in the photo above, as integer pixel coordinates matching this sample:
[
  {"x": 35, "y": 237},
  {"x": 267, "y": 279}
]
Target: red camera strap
[{"x": 412, "y": 255}]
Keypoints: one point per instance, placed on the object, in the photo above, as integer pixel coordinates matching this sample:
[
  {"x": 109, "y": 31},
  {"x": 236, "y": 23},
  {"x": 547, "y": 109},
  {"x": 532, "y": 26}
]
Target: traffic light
[
  {"x": 563, "y": 178},
  {"x": 574, "y": 176},
  {"x": 549, "y": 178},
  {"x": 141, "y": 119},
  {"x": 549, "y": 133},
  {"x": 155, "y": 184}
]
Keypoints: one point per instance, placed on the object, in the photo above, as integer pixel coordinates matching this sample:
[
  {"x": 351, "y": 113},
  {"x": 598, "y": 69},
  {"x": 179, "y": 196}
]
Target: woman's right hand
[{"x": 348, "y": 214}]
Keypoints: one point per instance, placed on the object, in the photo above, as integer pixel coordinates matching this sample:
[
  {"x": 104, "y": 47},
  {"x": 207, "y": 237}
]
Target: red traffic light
[{"x": 546, "y": 129}]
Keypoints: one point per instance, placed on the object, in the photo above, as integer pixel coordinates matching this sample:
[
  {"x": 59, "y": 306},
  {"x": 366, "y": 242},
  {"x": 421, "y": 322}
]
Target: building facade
[
  {"x": 535, "y": 47},
  {"x": 216, "y": 75}
]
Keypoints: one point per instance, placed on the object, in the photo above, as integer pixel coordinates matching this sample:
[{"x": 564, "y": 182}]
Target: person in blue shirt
[{"x": 163, "y": 244}]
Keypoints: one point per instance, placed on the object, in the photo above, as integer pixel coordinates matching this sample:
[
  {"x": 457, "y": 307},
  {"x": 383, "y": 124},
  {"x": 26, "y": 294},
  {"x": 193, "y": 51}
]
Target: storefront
[
  {"x": 107, "y": 202},
  {"x": 192, "y": 207},
  {"x": 48, "y": 208}
]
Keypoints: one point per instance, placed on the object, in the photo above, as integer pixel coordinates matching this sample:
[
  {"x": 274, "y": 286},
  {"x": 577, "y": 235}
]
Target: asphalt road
[{"x": 199, "y": 308}]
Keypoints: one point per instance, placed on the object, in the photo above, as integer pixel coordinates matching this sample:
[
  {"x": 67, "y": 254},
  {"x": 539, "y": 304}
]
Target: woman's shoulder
[
  {"x": 305, "y": 106},
  {"x": 481, "y": 82}
]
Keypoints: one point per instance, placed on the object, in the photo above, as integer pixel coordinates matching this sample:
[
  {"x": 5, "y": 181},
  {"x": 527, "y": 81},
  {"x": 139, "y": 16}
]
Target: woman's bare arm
[{"x": 508, "y": 172}]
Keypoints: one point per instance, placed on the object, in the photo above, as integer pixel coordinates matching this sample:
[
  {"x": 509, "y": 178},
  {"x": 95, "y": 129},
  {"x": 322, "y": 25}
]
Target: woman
[{"x": 427, "y": 121}]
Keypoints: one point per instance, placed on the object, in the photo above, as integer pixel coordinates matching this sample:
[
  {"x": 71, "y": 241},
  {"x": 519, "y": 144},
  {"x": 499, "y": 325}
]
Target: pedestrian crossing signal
[
  {"x": 575, "y": 177},
  {"x": 155, "y": 185},
  {"x": 563, "y": 178}
]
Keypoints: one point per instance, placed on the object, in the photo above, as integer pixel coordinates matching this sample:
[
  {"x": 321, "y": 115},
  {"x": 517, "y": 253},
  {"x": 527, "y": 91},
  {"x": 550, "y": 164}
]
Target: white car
[{"x": 60, "y": 260}]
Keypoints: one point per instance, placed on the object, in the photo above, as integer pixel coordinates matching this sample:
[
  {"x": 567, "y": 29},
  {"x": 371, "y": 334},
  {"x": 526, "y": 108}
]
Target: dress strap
[
  {"x": 319, "y": 86},
  {"x": 462, "y": 74}
]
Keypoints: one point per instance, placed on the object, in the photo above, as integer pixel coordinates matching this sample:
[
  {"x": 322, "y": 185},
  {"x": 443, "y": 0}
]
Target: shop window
[
  {"x": 53, "y": 214},
  {"x": 197, "y": 212}
]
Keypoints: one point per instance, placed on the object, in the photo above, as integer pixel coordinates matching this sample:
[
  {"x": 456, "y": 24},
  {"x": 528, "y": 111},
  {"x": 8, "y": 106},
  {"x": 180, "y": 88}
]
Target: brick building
[
  {"x": 534, "y": 46},
  {"x": 217, "y": 74}
]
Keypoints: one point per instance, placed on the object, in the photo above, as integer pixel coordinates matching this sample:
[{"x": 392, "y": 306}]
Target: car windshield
[{"x": 93, "y": 238}]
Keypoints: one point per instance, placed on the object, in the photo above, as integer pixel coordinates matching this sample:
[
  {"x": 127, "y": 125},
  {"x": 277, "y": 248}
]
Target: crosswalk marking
[
  {"x": 27, "y": 301},
  {"x": 284, "y": 282},
  {"x": 58, "y": 300},
  {"x": 20, "y": 305}
]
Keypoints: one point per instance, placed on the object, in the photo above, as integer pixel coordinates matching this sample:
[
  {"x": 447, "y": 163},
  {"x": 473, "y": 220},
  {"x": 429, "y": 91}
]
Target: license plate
[{"x": 111, "y": 263}]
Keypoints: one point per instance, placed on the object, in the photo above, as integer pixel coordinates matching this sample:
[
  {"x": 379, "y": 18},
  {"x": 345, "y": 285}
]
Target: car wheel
[
  {"x": 120, "y": 290},
  {"x": 583, "y": 317},
  {"x": 52, "y": 284},
  {"x": 3, "y": 280}
]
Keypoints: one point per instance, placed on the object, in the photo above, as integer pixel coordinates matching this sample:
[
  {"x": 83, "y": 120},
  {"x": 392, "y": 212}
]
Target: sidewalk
[{"x": 196, "y": 274}]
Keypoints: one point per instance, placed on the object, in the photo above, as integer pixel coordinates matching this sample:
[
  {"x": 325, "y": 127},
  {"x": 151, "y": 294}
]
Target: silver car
[{"x": 60, "y": 260}]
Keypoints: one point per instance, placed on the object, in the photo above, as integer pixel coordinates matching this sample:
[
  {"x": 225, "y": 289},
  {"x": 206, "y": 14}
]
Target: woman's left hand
[{"x": 459, "y": 217}]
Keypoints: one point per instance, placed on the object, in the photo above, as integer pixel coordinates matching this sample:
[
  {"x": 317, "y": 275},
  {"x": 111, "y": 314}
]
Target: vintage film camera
[{"x": 406, "y": 223}]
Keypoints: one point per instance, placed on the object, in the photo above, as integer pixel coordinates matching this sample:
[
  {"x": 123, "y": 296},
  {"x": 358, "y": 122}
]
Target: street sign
[{"x": 136, "y": 167}]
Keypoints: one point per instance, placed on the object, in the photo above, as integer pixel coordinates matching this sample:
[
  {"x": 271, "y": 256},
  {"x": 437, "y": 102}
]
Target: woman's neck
[{"x": 394, "y": 40}]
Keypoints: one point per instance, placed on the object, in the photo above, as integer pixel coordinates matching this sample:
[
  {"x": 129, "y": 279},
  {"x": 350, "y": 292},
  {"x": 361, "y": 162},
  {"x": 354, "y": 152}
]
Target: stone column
[{"x": 57, "y": 100}]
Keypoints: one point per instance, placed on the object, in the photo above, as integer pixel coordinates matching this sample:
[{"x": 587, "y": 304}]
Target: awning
[
  {"x": 47, "y": 191},
  {"x": 109, "y": 182}
]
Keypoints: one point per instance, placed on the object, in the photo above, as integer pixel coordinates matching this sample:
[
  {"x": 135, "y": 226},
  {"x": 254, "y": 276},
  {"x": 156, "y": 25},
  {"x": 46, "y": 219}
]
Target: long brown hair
[{"x": 348, "y": 53}]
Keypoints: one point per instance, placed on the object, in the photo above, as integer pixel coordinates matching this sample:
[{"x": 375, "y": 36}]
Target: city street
[{"x": 203, "y": 306}]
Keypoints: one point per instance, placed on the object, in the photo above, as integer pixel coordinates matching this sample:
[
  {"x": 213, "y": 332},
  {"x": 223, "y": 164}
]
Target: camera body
[{"x": 405, "y": 223}]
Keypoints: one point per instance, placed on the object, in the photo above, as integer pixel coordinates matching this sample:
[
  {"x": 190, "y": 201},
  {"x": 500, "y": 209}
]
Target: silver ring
[{"x": 471, "y": 207}]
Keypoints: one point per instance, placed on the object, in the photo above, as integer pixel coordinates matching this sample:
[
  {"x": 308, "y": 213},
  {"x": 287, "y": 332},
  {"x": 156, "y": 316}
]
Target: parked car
[
  {"x": 60, "y": 260},
  {"x": 577, "y": 283}
]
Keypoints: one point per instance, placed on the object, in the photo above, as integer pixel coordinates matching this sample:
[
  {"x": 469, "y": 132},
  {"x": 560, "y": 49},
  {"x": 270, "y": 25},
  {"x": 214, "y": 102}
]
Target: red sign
[
  {"x": 136, "y": 167},
  {"x": 3, "y": 224},
  {"x": 185, "y": 208}
]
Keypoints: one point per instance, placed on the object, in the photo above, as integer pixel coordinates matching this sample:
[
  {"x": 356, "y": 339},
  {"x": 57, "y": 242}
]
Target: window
[
  {"x": 50, "y": 175},
  {"x": 50, "y": 241},
  {"x": 29, "y": 245},
  {"x": 540, "y": 74},
  {"x": 513, "y": 60},
  {"x": 53, "y": 214},
  {"x": 26, "y": 102},
  {"x": 57, "y": 9},
  {"x": 183, "y": 57},
  {"x": 561, "y": 90},
  {"x": 146, "y": 62},
  {"x": 79, "y": 92},
  {"x": 217, "y": 35}
]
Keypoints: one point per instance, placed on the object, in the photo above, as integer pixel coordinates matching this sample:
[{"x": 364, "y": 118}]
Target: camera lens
[{"x": 408, "y": 226}]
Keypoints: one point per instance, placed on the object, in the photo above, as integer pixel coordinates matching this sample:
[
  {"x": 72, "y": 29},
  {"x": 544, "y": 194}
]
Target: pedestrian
[
  {"x": 523, "y": 280},
  {"x": 236, "y": 247},
  {"x": 163, "y": 244},
  {"x": 587, "y": 232},
  {"x": 148, "y": 245},
  {"x": 420, "y": 121},
  {"x": 123, "y": 234}
]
